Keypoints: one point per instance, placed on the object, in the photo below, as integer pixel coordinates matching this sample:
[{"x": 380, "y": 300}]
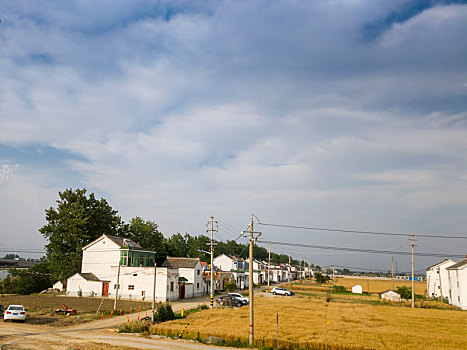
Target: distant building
[
  {"x": 357, "y": 289},
  {"x": 390, "y": 295}
]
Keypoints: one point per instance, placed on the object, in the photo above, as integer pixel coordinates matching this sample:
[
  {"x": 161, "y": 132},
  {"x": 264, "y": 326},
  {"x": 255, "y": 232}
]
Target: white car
[
  {"x": 15, "y": 312},
  {"x": 281, "y": 291},
  {"x": 239, "y": 296}
]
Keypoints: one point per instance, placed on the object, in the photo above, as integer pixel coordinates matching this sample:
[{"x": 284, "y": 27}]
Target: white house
[
  {"x": 390, "y": 295},
  {"x": 191, "y": 270},
  {"x": 60, "y": 285},
  {"x": 357, "y": 289},
  {"x": 110, "y": 258},
  {"x": 238, "y": 267},
  {"x": 437, "y": 279},
  {"x": 457, "y": 276},
  {"x": 87, "y": 284}
]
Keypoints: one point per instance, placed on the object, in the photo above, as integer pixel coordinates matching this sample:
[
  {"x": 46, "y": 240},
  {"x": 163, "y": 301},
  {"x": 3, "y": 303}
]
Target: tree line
[{"x": 79, "y": 218}]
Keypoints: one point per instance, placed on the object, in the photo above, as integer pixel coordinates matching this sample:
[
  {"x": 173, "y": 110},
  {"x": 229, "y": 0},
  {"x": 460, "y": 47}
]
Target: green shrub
[
  {"x": 339, "y": 289},
  {"x": 230, "y": 286}
]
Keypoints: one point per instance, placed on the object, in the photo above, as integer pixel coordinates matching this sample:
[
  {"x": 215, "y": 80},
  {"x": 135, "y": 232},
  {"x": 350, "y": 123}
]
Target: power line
[
  {"x": 361, "y": 232},
  {"x": 360, "y": 250}
]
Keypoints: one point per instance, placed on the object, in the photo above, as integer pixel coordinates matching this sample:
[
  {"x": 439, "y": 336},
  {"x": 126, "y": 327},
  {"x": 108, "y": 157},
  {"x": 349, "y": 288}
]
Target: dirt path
[{"x": 100, "y": 334}]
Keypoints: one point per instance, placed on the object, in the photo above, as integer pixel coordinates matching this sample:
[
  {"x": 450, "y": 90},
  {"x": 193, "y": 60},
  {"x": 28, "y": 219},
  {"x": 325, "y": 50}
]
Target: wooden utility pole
[
  {"x": 116, "y": 287},
  {"x": 413, "y": 275},
  {"x": 251, "y": 338},
  {"x": 300, "y": 270},
  {"x": 154, "y": 291},
  {"x": 269, "y": 264},
  {"x": 392, "y": 273},
  {"x": 290, "y": 268}
]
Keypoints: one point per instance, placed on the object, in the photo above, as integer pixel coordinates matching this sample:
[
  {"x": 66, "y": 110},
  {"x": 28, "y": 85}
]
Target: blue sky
[{"x": 341, "y": 114}]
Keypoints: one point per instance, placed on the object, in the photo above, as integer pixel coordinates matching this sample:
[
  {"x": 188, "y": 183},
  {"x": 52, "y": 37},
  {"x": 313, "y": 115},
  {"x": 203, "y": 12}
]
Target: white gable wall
[
  {"x": 458, "y": 287},
  {"x": 437, "y": 280},
  {"x": 100, "y": 257},
  {"x": 78, "y": 285}
]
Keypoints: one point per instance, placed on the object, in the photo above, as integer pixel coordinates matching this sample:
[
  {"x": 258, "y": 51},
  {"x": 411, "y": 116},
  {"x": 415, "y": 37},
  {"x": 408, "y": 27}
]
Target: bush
[
  {"x": 164, "y": 313},
  {"x": 319, "y": 278},
  {"x": 339, "y": 289},
  {"x": 230, "y": 286},
  {"x": 405, "y": 292}
]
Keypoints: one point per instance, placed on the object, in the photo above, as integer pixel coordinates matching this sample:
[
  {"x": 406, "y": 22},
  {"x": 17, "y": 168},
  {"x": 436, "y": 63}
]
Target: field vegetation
[
  {"x": 40, "y": 307},
  {"x": 308, "y": 321}
]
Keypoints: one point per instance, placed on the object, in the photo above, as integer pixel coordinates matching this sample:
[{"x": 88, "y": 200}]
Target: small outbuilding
[
  {"x": 357, "y": 289},
  {"x": 390, "y": 295},
  {"x": 59, "y": 285}
]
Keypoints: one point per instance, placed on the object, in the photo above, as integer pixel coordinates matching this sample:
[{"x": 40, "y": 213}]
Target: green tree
[
  {"x": 77, "y": 220},
  {"x": 10, "y": 256},
  {"x": 33, "y": 280},
  {"x": 319, "y": 278},
  {"x": 177, "y": 245},
  {"x": 230, "y": 286},
  {"x": 405, "y": 292}
]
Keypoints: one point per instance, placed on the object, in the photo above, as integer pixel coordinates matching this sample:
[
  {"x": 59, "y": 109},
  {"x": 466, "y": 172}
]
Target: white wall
[
  {"x": 142, "y": 280},
  {"x": 224, "y": 263},
  {"x": 458, "y": 287},
  {"x": 100, "y": 257},
  {"x": 88, "y": 288},
  {"x": 437, "y": 280}
]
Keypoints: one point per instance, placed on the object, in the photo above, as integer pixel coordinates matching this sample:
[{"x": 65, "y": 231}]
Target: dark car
[{"x": 229, "y": 300}]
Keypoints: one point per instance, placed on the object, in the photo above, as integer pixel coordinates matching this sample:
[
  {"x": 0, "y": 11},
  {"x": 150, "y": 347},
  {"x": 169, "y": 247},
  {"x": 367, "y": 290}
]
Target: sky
[{"x": 343, "y": 114}]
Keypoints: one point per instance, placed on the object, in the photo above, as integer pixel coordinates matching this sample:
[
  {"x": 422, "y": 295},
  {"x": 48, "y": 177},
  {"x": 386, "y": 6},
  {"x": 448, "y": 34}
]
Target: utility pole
[
  {"x": 300, "y": 269},
  {"x": 290, "y": 267},
  {"x": 251, "y": 339},
  {"x": 413, "y": 275},
  {"x": 212, "y": 244},
  {"x": 333, "y": 279},
  {"x": 154, "y": 291},
  {"x": 116, "y": 287},
  {"x": 269, "y": 263},
  {"x": 392, "y": 273}
]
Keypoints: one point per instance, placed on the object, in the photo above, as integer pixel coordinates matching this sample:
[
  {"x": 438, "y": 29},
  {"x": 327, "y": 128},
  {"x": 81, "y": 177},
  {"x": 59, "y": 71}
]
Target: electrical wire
[
  {"x": 359, "y": 250},
  {"x": 360, "y": 232}
]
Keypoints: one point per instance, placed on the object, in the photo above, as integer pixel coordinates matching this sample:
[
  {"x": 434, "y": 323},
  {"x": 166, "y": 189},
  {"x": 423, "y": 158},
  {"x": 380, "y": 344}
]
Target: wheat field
[{"x": 309, "y": 322}]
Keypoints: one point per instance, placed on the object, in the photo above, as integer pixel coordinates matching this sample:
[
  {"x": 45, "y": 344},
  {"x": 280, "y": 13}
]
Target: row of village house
[{"x": 111, "y": 258}]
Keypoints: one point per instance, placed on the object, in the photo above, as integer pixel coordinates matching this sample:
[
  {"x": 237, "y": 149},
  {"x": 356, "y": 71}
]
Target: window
[
  {"x": 143, "y": 293},
  {"x": 197, "y": 285},
  {"x": 131, "y": 287},
  {"x": 197, "y": 272},
  {"x": 115, "y": 286},
  {"x": 135, "y": 274},
  {"x": 171, "y": 286}
]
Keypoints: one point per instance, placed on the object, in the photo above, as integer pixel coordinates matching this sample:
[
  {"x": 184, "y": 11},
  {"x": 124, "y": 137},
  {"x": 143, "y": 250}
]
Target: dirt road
[{"x": 100, "y": 334}]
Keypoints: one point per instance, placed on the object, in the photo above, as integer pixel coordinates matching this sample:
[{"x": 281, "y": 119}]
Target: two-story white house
[
  {"x": 191, "y": 270},
  {"x": 238, "y": 267},
  {"x": 111, "y": 258},
  {"x": 437, "y": 279}
]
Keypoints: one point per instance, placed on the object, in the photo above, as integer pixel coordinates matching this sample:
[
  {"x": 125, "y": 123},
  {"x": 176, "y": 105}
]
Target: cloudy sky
[{"x": 337, "y": 114}]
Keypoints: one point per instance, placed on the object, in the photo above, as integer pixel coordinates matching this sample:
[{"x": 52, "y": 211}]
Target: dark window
[{"x": 131, "y": 287}]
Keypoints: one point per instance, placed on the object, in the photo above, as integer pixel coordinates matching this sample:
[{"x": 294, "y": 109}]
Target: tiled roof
[
  {"x": 180, "y": 262},
  {"x": 124, "y": 242},
  {"x": 89, "y": 276},
  {"x": 442, "y": 262},
  {"x": 458, "y": 266}
]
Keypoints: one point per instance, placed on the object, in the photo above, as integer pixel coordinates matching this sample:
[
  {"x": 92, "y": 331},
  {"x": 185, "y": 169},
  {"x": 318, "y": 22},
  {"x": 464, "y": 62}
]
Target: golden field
[
  {"x": 309, "y": 322},
  {"x": 380, "y": 285}
]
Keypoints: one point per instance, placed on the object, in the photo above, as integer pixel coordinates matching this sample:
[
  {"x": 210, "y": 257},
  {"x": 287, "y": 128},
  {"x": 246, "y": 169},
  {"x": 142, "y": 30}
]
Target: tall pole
[
  {"x": 290, "y": 268},
  {"x": 269, "y": 263},
  {"x": 117, "y": 285},
  {"x": 413, "y": 276},
  {"x": 211, "y": 250},
  {"x": 154, "y": 291},
  {"x": 392, "y": 273},
  {"x": 300, "y": 269},
  {"x": 252, "y": 330}
]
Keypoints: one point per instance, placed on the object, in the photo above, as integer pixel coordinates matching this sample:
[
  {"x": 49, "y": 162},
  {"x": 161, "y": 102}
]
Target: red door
[{"x": 105, "y": 289}]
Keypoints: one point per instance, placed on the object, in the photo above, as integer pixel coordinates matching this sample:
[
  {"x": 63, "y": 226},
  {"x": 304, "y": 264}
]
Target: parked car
[
  {"x": 241, "y": 297},
  {"x": 229, "y": 300},
  {"x": 15, "y": 312},
  {"x": 281, "y": 291}
]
